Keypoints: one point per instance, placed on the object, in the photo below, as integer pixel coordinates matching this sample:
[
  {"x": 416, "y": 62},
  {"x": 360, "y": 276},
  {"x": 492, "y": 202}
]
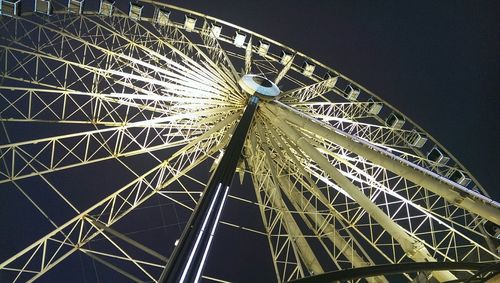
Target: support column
[
  {"x": 291, "y": 226},
  {"x": 451, "y": 192},
  {"x": 340, "y": 243},
  {"x": 413, "y": 247},
  {"x": 301, "y": 202},
  {"x": 188, "y": 259}
]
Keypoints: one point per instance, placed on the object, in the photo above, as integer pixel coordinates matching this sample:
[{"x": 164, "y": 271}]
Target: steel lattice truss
[{"x": 158, "y": 97}]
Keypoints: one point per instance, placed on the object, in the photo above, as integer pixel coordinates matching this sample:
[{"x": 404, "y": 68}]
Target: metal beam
[
  {"x": 414, "y": 248},
  {"x": 284, "y": 251},
  {"x": 310, "y": 185},
  {"x": 114, "y": 267},
  {"x": 450, "y": 191},
  {"x": 248, "y": 57},
  {"x": 400, "y": 268},
  {"x": 123, "y": 237},
  {"x": 340, "y": 243},
  {"x": 303, "y": 204},
  {"x": 146, "y": 186},
  {"x": 283, "y": 71},
  {"x": 188, "y": 259},
  {"x": 305, "y": 251}
]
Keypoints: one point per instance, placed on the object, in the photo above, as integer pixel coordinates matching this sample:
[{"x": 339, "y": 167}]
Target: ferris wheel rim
[
  {"x": 345, "y": 77},
  {"x": 298, "y": 53}
]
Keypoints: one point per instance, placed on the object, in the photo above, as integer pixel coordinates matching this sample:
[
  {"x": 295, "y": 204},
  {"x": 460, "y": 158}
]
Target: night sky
[{"x": 435, "y": 61}]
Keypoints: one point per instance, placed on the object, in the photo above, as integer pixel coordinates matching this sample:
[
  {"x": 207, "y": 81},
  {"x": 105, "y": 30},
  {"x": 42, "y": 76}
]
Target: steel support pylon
[{"x": 188, "y": 259}]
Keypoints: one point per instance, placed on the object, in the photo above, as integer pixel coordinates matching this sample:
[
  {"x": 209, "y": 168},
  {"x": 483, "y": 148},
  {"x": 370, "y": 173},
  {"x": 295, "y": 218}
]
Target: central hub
[{"x": 260, "y": 86}]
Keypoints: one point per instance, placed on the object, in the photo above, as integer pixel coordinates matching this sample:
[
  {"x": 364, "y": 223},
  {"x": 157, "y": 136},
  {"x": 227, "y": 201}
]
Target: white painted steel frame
[{"x": 327, "y": 193}]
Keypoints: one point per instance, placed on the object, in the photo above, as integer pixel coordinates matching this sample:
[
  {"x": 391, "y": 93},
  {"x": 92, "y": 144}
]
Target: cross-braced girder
[{"x": 154, "y": 101}]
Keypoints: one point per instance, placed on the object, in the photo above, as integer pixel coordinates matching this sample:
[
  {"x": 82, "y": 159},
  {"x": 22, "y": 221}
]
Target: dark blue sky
[{"x": 435, "y": 61}]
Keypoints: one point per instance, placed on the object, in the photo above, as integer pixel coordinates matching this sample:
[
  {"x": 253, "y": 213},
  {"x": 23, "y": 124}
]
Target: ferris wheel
[{"x": 122, "y": 131}]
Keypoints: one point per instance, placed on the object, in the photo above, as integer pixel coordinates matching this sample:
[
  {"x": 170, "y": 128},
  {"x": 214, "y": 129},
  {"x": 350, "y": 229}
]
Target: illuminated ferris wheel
[{"x": 113, "y": 119}]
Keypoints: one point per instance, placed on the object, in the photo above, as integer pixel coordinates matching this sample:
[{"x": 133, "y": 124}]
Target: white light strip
[
  {"x": 184, "y": 273},
  {"x": 198, "y": 274}
]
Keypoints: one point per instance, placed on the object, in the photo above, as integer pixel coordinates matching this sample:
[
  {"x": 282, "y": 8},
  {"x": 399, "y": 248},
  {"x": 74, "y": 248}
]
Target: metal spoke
[
  {"x": 307, "y": 93},
  {"x": 45, "y": 155},
  {"x": 77, "y": 232},
  {"x": 142, "y": 103},
  {"x": 414, "y": 248},
  {"x": 448, "y": 190},
  {"x": 248, "y": 57}
]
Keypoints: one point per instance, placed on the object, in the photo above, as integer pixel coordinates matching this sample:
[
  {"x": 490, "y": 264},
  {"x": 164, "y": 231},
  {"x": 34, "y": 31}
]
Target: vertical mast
[{"x": 187, "y": 261}]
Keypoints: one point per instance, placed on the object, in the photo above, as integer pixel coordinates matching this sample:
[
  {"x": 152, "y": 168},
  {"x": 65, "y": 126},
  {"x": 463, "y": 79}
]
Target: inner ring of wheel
[{"x": 257, "y": 85}]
